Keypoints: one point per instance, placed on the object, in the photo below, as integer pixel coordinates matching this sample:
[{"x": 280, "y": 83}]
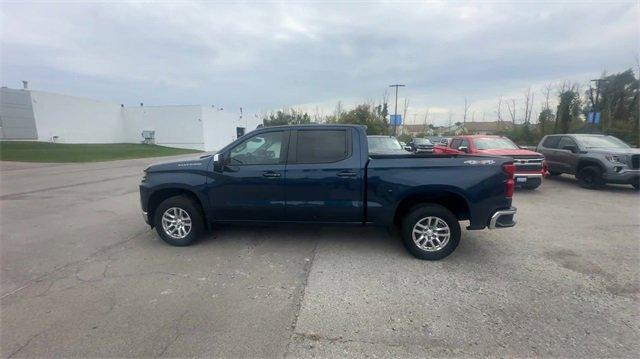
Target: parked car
[
  {"x": 421, "y": 145},
  {"x": 530, "y": 165},
  {"x": 594, "y": 159},
  {"x": 435, "y": 139},
  {"x": 325, "y": 174},
  {"x": 385, "y": 145}
]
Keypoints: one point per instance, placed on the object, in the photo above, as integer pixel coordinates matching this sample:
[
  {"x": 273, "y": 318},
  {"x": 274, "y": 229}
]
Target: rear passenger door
[
  {"x": 549, "y": 149},
  {"x": 324, "y": 177}
]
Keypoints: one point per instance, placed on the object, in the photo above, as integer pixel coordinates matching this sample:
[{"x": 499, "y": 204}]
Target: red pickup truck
[{"x": 530, "y": 165}]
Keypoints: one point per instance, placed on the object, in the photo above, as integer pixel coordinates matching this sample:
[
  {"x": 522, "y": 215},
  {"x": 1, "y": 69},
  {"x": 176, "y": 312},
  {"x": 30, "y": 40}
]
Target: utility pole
[{"x": 395, "y": 111}]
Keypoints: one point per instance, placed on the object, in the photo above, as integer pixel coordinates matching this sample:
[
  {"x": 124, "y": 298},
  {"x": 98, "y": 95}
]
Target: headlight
[
  {"x": 615, "y": 159},
  {"x": 144, "y": 176}
]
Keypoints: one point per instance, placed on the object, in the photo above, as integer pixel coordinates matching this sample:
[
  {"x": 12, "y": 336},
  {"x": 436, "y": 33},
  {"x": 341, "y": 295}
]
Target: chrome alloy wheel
[
  {"x": 176, "y": 222},
  {"x": 431, "y": 234}
]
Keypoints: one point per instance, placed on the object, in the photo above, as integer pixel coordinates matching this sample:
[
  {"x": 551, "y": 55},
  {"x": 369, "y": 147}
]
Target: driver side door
[
  {"x": 566, "y": 158},
  {"x": 250, "y": 184}
]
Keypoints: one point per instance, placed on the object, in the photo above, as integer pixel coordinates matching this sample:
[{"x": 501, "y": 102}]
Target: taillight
[{"x": 509, "y": 184}]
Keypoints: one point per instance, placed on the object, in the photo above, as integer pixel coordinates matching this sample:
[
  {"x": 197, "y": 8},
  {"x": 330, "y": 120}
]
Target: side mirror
[
  {"x": 571, "y": 148},
  {"x": 217, "y": 162},
  {"x": 464, "y": 149}
]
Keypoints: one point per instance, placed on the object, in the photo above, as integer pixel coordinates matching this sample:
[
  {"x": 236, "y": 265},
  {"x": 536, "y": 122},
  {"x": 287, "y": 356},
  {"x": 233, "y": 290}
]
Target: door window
[
  {"x": 551, "y": 142},
  {"x": 455, "y": 143},
  {"x": 261, "y": 149},
  {"x": 566, "y": 141},
  {"x": 321, "y": 146}
]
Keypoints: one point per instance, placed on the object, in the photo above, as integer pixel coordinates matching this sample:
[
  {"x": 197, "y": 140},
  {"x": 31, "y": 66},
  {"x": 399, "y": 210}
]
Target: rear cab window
[{"x": 321, "y": 146}]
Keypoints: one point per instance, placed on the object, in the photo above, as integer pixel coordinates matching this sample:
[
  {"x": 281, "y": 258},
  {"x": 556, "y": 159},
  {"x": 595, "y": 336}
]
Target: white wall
[
  {"x": 219, "y": 127},
  {"x": 174, "y": 126},
  {"x": 82, "y": 120},
  {"x": 75, "y": 119}
]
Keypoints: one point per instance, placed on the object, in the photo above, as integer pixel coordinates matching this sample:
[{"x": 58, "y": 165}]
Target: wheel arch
[
  {"x": 163, "y": 193},
  {"x": 450, "y": 199},
  {"x": 589, "y": 162}
]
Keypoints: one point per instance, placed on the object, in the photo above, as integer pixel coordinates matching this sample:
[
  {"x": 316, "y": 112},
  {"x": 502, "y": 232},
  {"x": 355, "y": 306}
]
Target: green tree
[
  {"x": 568, "y": 113},
  {"x": 368, "y": 116},
  {"x": 618, "y": 103},
  {"x": 546, "y": 121},
  {"x": 286, "y": 117}
]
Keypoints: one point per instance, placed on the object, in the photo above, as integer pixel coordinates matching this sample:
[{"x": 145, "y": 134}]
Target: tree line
[{"x": 615, "y": 96}]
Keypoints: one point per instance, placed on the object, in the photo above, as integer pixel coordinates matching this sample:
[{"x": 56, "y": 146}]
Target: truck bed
[{"x": 476, "y": 181}]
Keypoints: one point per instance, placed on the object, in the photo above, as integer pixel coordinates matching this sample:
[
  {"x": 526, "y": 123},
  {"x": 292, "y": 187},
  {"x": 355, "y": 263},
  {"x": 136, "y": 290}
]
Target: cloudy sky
[{"x": 265, "y": 56}]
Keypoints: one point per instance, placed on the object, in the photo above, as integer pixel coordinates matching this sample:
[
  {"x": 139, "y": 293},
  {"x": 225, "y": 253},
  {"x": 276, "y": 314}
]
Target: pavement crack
[
  {"x": 176, "y": 336},
  {"x": 307, "y": 271},
  {"x": 20, "y": 194},
  {"x": 71, "y": 264},
  {"x": 24, "y": 345}
]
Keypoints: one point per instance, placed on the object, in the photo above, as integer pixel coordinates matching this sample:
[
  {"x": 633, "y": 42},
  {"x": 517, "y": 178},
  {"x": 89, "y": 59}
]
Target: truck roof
[{"x": 316, "y": 125}]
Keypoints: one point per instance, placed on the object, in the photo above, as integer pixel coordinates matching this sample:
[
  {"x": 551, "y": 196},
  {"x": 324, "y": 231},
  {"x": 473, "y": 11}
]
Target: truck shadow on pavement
[
  {"x": 351, "y": 241},
  {"x": 571, "y": 180}
]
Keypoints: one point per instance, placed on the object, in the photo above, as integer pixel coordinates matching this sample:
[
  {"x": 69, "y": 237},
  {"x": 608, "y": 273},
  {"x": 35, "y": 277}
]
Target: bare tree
[
  {"x": 467, "y": 105},
  {"x": 318, "y": 115},
  {"x": 499, "y": 110},
  {"x": 338, "y": 111},
  {"x": 426, "y": 117},
  {"x": 528, "y": 105},
  {"x": 511, "y": 107},
  {"x": 405, "y": 108},
  {"x": 385, "y": 97}
]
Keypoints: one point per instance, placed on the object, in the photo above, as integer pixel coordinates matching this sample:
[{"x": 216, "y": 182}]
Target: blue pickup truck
[{"x": 325, "y": 174}]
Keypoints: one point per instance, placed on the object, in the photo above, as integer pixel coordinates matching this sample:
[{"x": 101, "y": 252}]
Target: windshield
[
  {"x": 422, "y": 141},
  {"x": 383, "y": 144},
  {"x": 497, "y": 143},
  {"x": 602, "y": 142}
]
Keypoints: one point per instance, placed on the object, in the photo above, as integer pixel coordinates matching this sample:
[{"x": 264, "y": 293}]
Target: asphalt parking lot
[{"x": 82, "y": 275}]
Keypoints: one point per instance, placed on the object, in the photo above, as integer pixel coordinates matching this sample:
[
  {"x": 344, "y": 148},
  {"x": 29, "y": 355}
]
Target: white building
[{"x": 46, "y": 116}]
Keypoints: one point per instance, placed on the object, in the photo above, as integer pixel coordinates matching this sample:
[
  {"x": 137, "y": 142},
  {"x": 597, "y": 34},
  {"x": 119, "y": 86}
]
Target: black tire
[
  {"x": 554, "y": 173},
  {"x": 185, "y": 204},
  {"x": 590, "y": 177},
  {"x": 636, "y": 185},
  {"x": 421, "y": 212}
]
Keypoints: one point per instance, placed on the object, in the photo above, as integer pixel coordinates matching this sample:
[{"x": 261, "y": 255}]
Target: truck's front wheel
[
  {"x": 178, "y": 221},
  {"x": 430, "y": 231}
]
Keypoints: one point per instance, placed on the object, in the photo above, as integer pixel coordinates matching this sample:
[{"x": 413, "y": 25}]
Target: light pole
[{"x": 395, "y": 111}]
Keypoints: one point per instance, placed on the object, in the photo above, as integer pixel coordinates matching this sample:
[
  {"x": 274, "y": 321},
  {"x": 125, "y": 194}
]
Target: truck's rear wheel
[
  {"x": 178, "y": 221},
  {"x": 430, "y": 231}
]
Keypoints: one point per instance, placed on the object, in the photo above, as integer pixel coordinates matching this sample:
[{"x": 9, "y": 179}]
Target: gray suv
[{"x": 593, "y": 159}]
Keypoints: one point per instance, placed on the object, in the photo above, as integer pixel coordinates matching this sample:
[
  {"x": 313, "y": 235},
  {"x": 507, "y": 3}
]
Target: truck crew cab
[{"x": 325, "y": 174}]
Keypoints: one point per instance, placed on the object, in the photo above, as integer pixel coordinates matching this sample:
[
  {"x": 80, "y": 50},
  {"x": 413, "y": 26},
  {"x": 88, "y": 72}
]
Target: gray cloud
[{"x": 266, "y": 56}]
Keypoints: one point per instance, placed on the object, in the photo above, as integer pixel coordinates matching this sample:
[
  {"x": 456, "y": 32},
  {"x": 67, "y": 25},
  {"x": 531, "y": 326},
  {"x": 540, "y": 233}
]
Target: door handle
[
  {"x": 347, "y": 174},
  {"x": 270, "y": 174}
]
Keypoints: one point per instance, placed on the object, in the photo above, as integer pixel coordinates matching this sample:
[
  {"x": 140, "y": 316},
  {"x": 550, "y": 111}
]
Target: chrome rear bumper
[{"x": 503, "y": 218}]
